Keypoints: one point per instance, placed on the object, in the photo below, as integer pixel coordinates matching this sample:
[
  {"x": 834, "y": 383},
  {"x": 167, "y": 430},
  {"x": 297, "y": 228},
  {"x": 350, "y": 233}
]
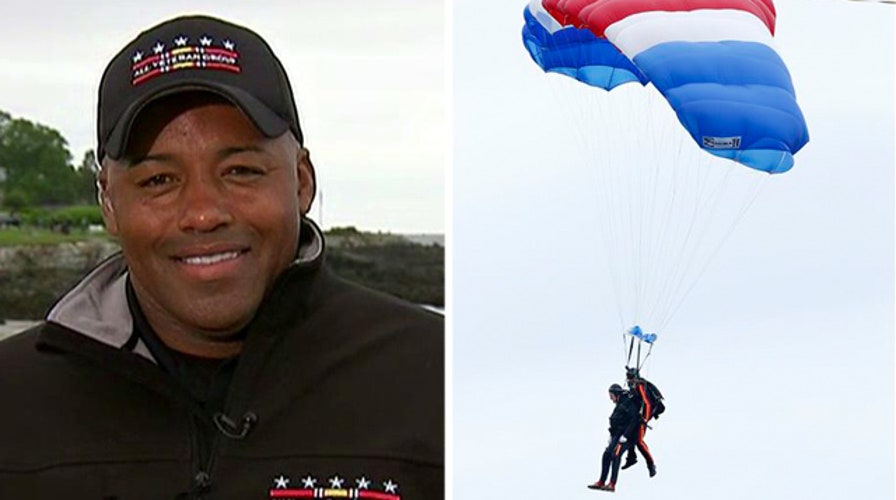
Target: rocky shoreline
[{"x": 33, "y": 276}]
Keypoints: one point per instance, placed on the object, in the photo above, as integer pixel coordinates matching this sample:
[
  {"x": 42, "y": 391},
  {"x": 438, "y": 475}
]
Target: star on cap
[
  {"x": 205, "y": 41},
  {"x": 158, "y": 48},
  {"x": 137, "y": 56},
  {"x": 180, "y": 41},
  {"x": 363, "y": 483},
  {"x": 308, "y": 482},
  {"x": 281, "y": 482},
  {"x": 390, "y": 486},
  {"x": 336, "y": 482},
  {"x": 228, "y": 45}
]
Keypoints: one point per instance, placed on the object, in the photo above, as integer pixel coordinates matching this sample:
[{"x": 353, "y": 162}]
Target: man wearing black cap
[{"x": 215, "y": 356}]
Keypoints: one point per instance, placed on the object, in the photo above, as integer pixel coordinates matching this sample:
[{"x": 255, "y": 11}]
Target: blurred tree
[
  {"x": 4, "y": 121},
  {"x": 36, "y": 162},
  {"x": 15, "y": 200},
  {"x": 86, "y": 173}
]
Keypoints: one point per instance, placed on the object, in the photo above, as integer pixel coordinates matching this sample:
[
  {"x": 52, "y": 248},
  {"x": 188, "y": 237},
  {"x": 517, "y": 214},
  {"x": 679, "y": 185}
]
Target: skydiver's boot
[
  {"x": 651, "y": 469},
  {"x": 611, "y": 487},
  {"x": 597, "y": 486},
  {"x": 630, "y": 459}
]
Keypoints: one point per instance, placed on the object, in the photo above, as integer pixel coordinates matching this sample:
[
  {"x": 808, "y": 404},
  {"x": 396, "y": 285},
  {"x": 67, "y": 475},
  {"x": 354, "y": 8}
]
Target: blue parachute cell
[
  {"x": 578, "y": 53},
  {"x": 636, "y": 332},
  {"x": 736, "y": 99}
]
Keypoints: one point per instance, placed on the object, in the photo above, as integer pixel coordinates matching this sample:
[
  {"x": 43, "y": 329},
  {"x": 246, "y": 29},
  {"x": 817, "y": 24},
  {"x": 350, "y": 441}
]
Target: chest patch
[{"x": 333, "y": 487}]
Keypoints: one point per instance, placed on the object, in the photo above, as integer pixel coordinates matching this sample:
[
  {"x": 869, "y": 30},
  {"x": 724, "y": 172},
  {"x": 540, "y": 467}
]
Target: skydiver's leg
[
  {"x": 631, "y": 457},
  {"x": 645, "y": 451},
  {"x": 616, "y": 457},
  {"x": 642, "y": 447},
  {"x": 607, "y": 459}
]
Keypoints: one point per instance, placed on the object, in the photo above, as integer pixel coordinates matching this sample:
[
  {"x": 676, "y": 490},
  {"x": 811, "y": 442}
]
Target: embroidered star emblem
[
  {"x": 180, "y": 41},
  {"x": 336, "y": 482},
  {"x": 363, "y": 483},
  {"x": 137, "y": 56},
  {"x": 281, "y": 482},
  {"x": 158, "y": 48},
  {"x": 308, "y": 482},
  {"x": 205, "y": 41},
  {"x": 390, "y": 486},
  {"x": 228, "y": 45}
]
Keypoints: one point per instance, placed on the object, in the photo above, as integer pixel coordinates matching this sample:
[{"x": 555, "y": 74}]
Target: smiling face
[{"x": 207, "y": 211}]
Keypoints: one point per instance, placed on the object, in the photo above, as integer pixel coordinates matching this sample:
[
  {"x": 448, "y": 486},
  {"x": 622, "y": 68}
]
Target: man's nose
[{"x": 204, "y": 206}]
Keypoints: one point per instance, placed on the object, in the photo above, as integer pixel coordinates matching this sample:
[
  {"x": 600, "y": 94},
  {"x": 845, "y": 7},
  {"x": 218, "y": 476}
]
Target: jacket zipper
[{"x": 201, "y": 481}]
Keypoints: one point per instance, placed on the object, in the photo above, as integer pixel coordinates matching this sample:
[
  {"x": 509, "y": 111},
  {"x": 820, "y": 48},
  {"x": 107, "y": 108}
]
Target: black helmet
[
  {"x": 616, "y": 389},
  {"x": 631, "y": 372}
]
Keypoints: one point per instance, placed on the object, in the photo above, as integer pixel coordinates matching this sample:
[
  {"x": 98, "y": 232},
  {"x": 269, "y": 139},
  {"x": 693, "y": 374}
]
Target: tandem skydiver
[
  {"x": 651, "y": 404},
  {"x": 623, "y": 427}
]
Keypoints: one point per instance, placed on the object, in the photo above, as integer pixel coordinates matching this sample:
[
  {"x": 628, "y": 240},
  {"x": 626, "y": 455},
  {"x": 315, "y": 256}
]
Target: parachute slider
[{"x": 636, "y": 332}]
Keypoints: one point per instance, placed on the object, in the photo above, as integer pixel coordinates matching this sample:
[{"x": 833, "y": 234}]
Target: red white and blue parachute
[
  {"x": 714, "y": 64},
  {"x": 713, "y": 61}
]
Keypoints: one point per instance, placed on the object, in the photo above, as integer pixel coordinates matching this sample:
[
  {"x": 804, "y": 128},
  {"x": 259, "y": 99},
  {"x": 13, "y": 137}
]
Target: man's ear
[
  {"x": 102, "y": 194},
  {"x": 307, "y": 180}
]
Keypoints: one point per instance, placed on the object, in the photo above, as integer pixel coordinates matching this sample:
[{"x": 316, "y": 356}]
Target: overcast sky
[
  {"x": 777, "y": 368},
  {"x": 368, "y": 79}
]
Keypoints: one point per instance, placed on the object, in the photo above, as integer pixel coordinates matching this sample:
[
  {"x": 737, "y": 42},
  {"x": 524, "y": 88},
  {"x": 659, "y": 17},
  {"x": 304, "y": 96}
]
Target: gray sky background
[
  {"x": 778, "y": 368},
  {"x": 368, "y": 78}
]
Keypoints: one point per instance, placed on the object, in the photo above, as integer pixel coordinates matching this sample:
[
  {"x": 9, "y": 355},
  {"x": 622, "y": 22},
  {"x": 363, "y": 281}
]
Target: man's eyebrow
[
  {"x": 233, "y": 150},
  {"x": 168, "y": 158},
  {"x": 133, "y": 161}
]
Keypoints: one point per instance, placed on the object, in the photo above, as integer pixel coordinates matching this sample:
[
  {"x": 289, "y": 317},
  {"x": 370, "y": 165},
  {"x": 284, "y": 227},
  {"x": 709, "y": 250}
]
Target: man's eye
[
  {"x": 157, "y": 180},
  {"x": 244, "y": 171}
]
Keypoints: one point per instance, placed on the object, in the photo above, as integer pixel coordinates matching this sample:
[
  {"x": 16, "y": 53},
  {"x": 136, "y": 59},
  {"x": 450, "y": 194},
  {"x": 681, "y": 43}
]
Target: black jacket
[
  {"x": 337, "y": 387},
  {"x": 625, "y": 415}
]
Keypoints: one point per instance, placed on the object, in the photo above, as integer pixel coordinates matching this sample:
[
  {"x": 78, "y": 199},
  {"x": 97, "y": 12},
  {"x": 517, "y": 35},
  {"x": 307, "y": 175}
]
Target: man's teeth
[{"x": 206, "y": 260}]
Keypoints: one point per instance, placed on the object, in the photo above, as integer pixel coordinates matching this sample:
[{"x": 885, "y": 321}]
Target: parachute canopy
[
  {"x": 667, "y": 207},
  {"x": 575, "y": 52},
  {"x": 714, "y": 63}
]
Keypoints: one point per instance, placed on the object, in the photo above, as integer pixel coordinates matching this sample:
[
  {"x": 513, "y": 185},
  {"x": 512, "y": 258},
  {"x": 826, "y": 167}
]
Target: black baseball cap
[{"x": 194, "y": 53}]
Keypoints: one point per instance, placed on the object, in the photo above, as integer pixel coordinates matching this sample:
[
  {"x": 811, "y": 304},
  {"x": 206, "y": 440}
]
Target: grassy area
[{"x": 35, "y": 236}]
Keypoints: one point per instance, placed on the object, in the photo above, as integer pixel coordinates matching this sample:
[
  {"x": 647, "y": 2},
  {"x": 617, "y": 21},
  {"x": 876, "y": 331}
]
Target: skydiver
[
  {"x": 651, "y": 407},
  {"x": 623, "y": 424}
]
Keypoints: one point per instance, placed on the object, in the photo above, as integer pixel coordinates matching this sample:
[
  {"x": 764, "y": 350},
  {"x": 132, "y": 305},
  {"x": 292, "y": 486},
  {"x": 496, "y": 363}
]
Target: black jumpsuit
[{"x": 623, "y": 422}]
